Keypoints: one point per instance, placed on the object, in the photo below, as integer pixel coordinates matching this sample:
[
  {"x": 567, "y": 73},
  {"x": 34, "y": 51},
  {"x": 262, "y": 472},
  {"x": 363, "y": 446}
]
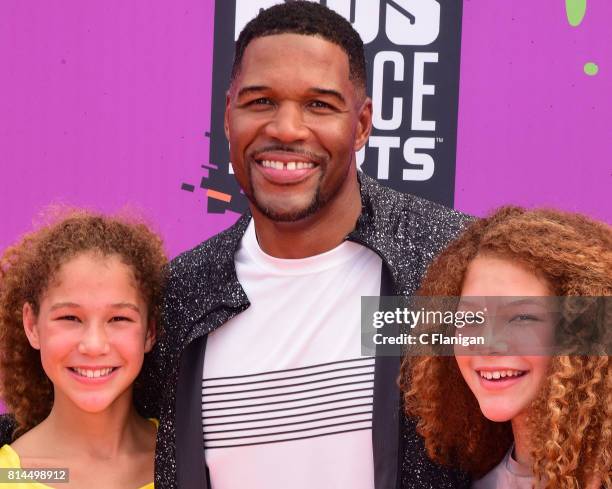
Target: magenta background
[
  {"x": 533, "y": 128},
  {"x": 105, "y": 103}
]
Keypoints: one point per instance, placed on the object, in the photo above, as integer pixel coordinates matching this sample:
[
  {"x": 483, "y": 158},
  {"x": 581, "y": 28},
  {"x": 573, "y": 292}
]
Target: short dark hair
[{"x": 309, "y": 19}]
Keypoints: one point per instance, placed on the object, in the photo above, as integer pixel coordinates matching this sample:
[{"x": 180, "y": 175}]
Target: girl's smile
[{"x": 92, "y": 331}]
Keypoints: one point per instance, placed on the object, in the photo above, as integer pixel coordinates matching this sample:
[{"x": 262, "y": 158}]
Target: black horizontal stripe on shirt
[
  {"x": 282, "y": 417},
  {"x": 328, "y": 379},
  {"x": 218, "y": 386},
  {"x": 293, "y": 369},
  {"x": 325, "y": 418},
  {"x": 288, "y": 439},
  {"x": 288, "y": 400},
  {"x": 288, "y": 393},
  {"x": 371, "y": 374},
  {"x": 284, "y": 409},
  {"x": 290, "y": 431}
]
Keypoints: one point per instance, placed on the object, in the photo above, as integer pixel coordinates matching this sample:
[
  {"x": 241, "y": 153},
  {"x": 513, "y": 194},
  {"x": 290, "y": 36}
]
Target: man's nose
[
  {"x": 94, "y": 340},
  {"x": 287, "y": 125}
]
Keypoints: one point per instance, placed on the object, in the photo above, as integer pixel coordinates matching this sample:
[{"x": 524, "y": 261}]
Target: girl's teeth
[
  {"x": 500, "y": 374},
  {"x": 93, "y": 373}
]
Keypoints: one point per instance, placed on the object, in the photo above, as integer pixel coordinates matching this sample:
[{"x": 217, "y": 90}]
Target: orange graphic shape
[{"x": 215, "y": 194}]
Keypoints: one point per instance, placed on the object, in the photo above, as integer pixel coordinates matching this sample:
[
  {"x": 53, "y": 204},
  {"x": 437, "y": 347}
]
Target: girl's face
[
  {"x": 506, "y": 385},
  {"x": 91, "y": 331}
]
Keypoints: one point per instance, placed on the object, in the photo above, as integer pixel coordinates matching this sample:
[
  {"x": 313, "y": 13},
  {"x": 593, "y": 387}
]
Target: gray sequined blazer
[{"x": 203, "y": 293}]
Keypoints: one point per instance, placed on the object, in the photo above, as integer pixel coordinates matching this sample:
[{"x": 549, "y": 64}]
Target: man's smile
[
  {"x": 290, "y": 166},
  {"x": 284, "y": 168}
]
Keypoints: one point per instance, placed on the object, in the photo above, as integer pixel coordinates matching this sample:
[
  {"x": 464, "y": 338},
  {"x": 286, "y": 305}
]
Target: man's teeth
[
  {"x": 500, "y": 374},
  {"x": 291, "y": 165},
  {"x": 93, "y": 373}
]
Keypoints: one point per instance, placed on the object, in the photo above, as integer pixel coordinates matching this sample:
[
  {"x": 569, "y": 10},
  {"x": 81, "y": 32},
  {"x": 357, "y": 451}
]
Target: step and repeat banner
[
  {"x": 476, "y": 104},
  {"x": 412, "y": 57}
]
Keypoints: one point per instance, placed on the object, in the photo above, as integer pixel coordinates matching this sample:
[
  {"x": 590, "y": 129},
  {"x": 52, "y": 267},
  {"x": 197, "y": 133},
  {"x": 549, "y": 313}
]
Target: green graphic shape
[
  {"x": 591, "y": 68},
  {"x": 575, "y": 10}
]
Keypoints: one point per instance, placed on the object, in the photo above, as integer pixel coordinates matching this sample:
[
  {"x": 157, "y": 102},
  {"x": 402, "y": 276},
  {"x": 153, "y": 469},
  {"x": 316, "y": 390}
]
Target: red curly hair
[
  {"x": 570, "y": 422},
  {"x": 27, "y": 269}
]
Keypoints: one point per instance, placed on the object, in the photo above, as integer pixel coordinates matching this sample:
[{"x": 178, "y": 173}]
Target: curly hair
[
  {"x": 27, "y": 269},
  {"x": 310, "y": 19},
  {"x": 570, "y": 422}
]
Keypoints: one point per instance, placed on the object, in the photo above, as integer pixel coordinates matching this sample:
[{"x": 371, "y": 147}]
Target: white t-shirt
[{"x": 286, "y": 396}]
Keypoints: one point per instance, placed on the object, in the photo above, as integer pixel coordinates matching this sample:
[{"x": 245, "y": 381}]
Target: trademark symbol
[{"x": 440, "y": 140}]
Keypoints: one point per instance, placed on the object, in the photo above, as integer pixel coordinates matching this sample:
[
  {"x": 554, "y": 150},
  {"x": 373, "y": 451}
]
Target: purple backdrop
[
  {"x": 534, "y": 129},
  {"x": 107, "y": 103}
]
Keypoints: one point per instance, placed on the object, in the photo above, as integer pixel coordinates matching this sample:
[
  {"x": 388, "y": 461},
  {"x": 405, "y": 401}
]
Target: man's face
[{"x": 294, "y": 120}]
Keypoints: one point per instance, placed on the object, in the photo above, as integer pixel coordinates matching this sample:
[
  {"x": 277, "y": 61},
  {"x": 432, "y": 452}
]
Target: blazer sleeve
[{"x": 7, "y": 426}]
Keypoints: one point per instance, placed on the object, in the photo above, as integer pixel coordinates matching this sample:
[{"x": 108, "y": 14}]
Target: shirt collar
[{"x": 219, "y": 277}]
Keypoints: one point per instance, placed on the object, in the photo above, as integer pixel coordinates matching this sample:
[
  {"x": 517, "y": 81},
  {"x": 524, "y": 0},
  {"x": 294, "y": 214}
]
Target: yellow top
[{"x": 10, "y": 460}]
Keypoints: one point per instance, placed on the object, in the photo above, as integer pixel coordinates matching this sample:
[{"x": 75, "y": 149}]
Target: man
[{"x": 266, "y": 386}]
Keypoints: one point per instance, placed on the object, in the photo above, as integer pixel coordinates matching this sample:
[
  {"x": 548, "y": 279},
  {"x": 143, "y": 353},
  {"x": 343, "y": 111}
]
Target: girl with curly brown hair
[
  {"x": 525, "y": 420},
  {"x": 78, "y": 311}
]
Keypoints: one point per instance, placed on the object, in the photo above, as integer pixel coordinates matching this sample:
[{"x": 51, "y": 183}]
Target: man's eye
[
  {"x": 318, "y": 104},
  {"x": 261, "y": 101}
]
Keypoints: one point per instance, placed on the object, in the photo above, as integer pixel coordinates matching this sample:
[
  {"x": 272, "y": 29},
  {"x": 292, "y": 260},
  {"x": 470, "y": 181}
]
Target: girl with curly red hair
[
  {"x": 78, "y": 311},
  {"x": 519, "y": 421}
]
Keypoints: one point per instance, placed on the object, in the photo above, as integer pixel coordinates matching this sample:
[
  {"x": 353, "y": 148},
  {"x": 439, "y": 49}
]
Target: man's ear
[
  {"x": 151, "y": 335},
  {"x": 30, "y": 325},
  {"x": 364, "y": 124}
]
